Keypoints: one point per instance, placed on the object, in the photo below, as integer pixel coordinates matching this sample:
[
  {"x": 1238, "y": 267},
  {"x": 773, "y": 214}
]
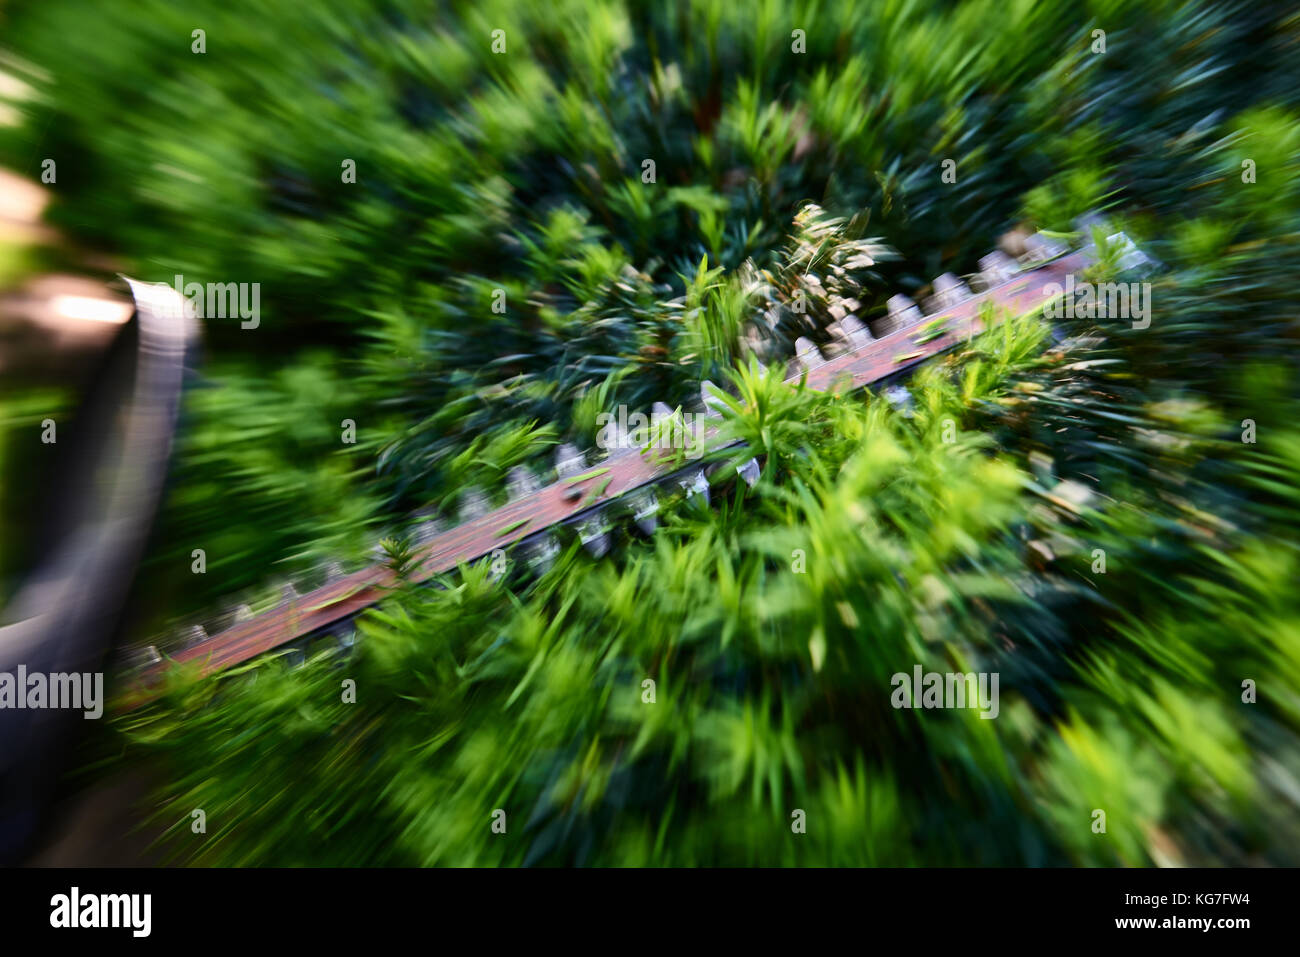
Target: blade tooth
[
  {"x": 1130, "y": 257},
  {"x": 1085, "y": 224},
  {"x": 288, "y": 594},
  {"x": 596, "y": 543},
  {"x": 808, "y": 354},
  {"x": 474, "y": 504},
  {"x": 569, "y": 461},
  {"x": 838, "y": 344},
  {"x": 661, "y": 410},
  {"x": 645, "y": 508},
  {"x": 521, "y": 483},
  {"x": 949, "y": 291},
  {"x": 697, "y": 484},
  {"x": 995, "y": 269},
  {"x": 428, "y": 526},
  {"x": 855, "y": 334},
  {"x": 425, "y": 532},
  {"x": 232, "y": 615},
  {"x": 334, "y": 571},
  {"x": 144, "y": 657},
  {"x": 900, "y": 398},
  {"x": 344, "y": 634},
  {"x": 1040, "y": 248},
  {"x": 139, "y": 657},
  {"x": 192, "y": 635},
  {"x": 903, "y": 312},
  {"x": 540, "y": 552},
  {"x": 749, "y": 472},
  {"x": 901, "y": 306},
  {"x": 594, "y": 533}
]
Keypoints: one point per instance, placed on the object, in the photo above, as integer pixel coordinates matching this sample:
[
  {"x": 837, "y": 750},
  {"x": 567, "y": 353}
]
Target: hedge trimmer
[{"x": 1020, "y": 278}]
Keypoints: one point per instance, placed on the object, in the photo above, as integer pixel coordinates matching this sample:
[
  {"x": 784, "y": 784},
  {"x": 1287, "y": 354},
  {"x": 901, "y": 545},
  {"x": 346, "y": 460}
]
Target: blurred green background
[{"x": 522, "y": 171}]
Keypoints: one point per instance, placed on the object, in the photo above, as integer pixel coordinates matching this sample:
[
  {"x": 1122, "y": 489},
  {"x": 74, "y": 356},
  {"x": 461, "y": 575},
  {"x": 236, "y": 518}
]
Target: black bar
[{"x": 931, "y": 908}]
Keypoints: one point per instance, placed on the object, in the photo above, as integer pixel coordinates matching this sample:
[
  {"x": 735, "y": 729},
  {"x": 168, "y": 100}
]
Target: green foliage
[{"x": 957, "y": 530}]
